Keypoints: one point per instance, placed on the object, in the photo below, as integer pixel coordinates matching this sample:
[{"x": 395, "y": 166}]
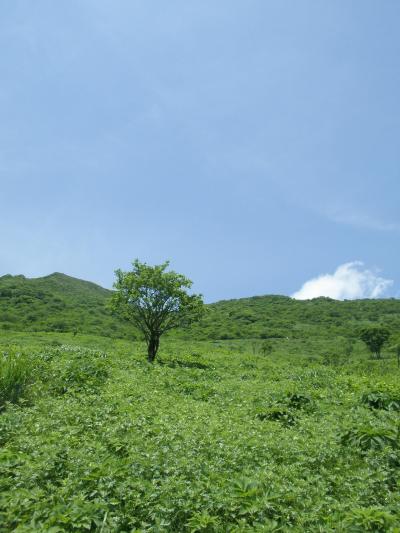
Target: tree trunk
[{"x": 152, "y": 348}]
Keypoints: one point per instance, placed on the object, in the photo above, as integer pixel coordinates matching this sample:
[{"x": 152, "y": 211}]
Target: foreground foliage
[{"x": 212, "y": 438}]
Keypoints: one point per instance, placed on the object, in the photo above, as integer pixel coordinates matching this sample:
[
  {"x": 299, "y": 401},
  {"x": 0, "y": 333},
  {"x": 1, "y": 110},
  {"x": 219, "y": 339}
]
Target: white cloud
[
  {"x": 361, "y": 220},
  {"x": 349, "y": 282}
]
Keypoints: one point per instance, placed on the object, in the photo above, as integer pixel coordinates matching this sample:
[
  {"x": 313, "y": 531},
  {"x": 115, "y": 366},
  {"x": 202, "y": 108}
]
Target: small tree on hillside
[
  {"x": 155, "y": 301},
  {"x": 375, "y": 337}
]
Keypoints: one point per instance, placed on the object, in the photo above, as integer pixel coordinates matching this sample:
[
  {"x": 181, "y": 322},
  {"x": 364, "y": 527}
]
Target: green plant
[
  {"x": 372, "y": 519},
  {"x": 203, "y": 522},
  {"x": 266, "y": 348},
  {"x": 76, "y": 370},
  {"x": 253, "y": 501},
  {"x": 371, "y": 438},
  {"x": 155, "y": 301},
  {"x": 333, "y": 359},
  {"x": 278, "y": 413},
  {"x": 375, "y": 337},
  {"x": 349, "y": 347},
  {"x": 298, "y": 401},
  {"x": 386, "y": 400},
  {"x": 15, "y": 375}
]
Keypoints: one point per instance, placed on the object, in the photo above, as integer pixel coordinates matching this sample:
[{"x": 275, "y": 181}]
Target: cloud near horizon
[{"x": 349, "y": 282}]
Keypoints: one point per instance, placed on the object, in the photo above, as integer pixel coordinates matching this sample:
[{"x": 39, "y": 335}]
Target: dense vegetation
[
  {"x": 281, "y": 317},
  {"x": 57, "y": 303},
  {"x": 62, "y": 303},
  {"x": 212, "y": 438},
  {"x": 278, "y": 420}
]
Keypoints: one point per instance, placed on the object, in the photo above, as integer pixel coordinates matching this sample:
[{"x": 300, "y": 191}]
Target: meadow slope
[{"x": 214, "y": 437}]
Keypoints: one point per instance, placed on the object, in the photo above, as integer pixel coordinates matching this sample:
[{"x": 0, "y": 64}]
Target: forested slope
[
  {"x": 281, "y": 317},
  {"x": 62, "y": 303},
  {"x": 57, "y": 303}
]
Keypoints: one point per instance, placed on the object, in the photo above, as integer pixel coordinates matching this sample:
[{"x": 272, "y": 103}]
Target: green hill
[
  {"x": 57, "y": 303},
  {"x": 62, "y": 303},
  {"x": 281, "y": 317}
]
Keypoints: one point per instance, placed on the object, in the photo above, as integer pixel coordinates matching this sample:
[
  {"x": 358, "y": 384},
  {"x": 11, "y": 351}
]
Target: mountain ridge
[{"x": 59, "y": 302}]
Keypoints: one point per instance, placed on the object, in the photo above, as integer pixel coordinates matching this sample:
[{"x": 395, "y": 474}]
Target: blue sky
[{"x": 253, "y": 143}]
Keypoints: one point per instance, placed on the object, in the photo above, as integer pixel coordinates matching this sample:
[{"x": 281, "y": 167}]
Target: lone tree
[
  {"x": 155, "y": 301},
  {"x": 375, "y": 337}
]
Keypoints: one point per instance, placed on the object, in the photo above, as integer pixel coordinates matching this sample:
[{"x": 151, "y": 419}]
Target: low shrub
[
  {"x": 299, "y": 401},
  {"x": 371, "y": 438},
  {"x": 372, "y": 519},
  {"x": 385, "y": 400},
  {"x": 279, "y": 414}
]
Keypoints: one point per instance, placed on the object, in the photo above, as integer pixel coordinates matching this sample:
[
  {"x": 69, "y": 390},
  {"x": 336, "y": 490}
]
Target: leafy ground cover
[{"x": 214, "y": 437}]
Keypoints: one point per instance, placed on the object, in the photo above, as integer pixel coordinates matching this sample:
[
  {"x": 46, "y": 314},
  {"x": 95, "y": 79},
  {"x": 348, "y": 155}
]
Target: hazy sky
[{"x": 254, "y": 143}]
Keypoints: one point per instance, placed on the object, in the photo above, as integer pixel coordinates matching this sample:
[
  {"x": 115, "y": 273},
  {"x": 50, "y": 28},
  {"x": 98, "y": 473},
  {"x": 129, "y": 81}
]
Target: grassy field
[{"x": 215, "y": 437}]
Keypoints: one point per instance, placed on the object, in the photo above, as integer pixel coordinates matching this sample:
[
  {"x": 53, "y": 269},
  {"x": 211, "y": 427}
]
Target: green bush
[
  {"x": 371, "y": 438},
  {"x": 203, "y": 522},
  {"x": 372, "y": 519},
  {"x": 385, "y": 400},
  {"x": 299, "y": 401},
  {"x": 279, "y": 414}
]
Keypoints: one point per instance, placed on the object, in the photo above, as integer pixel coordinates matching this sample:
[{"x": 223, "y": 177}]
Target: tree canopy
[
  {"x": 375, "y": 337},
  {"x": 155, "y": 301}
]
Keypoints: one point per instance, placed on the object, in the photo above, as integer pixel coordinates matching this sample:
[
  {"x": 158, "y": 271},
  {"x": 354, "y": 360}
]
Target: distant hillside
[
  {"x": 57, "y": 303},
  {"x": 281, "y": 316},
  {"x": 63, "y": 303}
]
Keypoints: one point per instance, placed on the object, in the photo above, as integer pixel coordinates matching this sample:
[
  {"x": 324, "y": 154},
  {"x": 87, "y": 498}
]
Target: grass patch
[{"x": 15, "y": 375}]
